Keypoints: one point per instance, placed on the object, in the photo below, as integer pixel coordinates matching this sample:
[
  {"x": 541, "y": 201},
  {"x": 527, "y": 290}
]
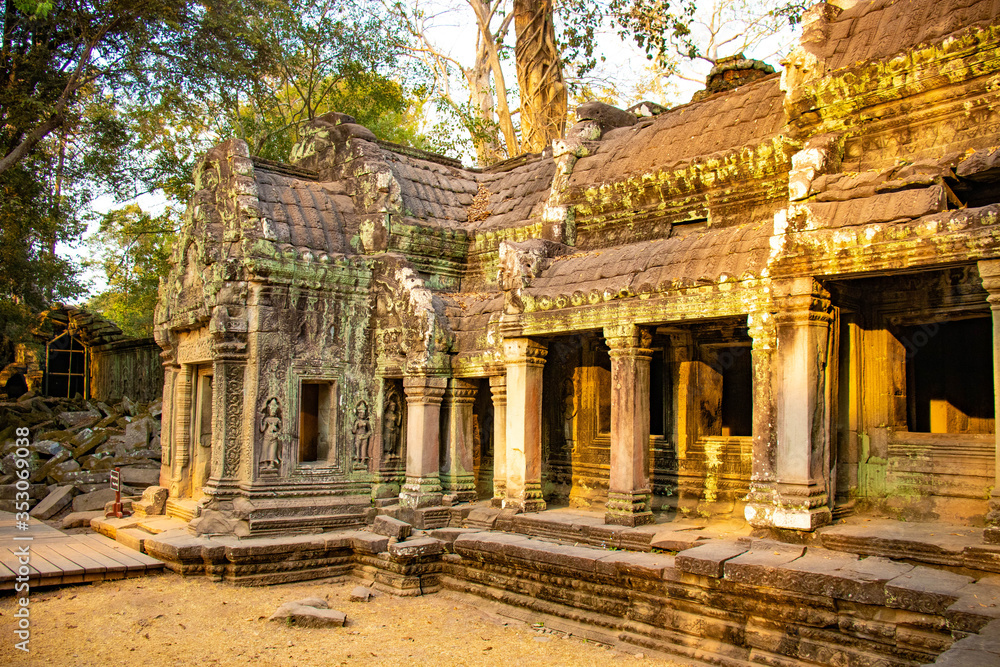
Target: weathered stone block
[
  {"x": 676, "y": 540},
  {"x": 632, "y": 564},
  {"x": 482, "y": 518},
  {"x": 368, "y": 543},
  {"x": 385, "y": 525},
  {"x": 53, "y": 503},
  {"x": 925, "y": 590},
  {"x": 94, "y": 501},
  {"x": 140, "y": 476},
  {"x": 153, "y": 502},
  {"x": 80, "y": 519},
  {"x": 361, "y": 594},
  {"x": 308, "y": 614},
  {"x": 449, "y": 535},
  {"x": 762, "y": 565},
  {"x": 423, "y": 546},
  {"x": 709, "y": 559},
  {"x": 78, "y": 420}
]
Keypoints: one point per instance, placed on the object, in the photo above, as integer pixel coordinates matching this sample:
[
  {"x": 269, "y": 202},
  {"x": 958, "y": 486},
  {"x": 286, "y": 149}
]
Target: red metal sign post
[{"x": 118, "y": 510}]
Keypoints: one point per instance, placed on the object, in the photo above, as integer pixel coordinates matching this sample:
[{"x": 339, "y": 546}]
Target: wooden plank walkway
[{"x": 57, "y": 558}]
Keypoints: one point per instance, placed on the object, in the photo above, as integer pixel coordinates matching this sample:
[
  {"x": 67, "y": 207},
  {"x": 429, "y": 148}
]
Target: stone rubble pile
[{"x": 74, "y": 445}]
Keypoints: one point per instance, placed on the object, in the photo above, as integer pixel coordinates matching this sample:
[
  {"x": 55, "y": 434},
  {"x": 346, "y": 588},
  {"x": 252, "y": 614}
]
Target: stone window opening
[
  {"x": 949, "y": 376},
  {"x": 317, "y": 421},
  {"x": 66, "y": 367}
]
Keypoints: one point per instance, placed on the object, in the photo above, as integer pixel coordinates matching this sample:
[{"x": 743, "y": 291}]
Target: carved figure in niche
[
  {"x": 270, "y": 426},
  {"x": 569, "y": 411},
  {"x": 362, "y": 433},
  {"x": 391, "y": 422}
]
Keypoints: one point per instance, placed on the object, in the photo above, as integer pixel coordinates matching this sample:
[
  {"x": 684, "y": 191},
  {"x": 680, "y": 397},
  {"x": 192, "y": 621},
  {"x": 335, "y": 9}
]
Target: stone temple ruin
[{"x": 777, "y": 302}]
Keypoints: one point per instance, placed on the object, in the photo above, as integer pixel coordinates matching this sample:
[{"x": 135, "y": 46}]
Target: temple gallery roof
[{"x": 303, "y": 214}]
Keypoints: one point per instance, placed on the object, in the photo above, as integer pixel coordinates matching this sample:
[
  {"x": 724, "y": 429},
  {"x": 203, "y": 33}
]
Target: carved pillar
[
  {"x": 423, "y": 428},
  {"x": 989, "y": 270},
  {"x": 525, "y": 359},
  {"x": 227, "y": 427},
  {"x": 802, "y": 325},
  {"x": 457, "y": 467},
  {"x": 179, "y": 481},
  {"x": 498, "y": 386},
  {"x": 765, "y": 442},
  {"x": 167, "y": 429},
  {"x": 628, "y": 491}
]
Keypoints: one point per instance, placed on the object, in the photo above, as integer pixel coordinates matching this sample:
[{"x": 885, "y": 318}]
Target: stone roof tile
[
  {"x": 731, "y": 252},
  {"x": 304, "y": 213}
]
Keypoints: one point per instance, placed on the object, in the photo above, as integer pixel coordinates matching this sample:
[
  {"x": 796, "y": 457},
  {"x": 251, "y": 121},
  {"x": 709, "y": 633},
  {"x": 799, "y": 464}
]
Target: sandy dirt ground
[{"x": 170, "y": 620}]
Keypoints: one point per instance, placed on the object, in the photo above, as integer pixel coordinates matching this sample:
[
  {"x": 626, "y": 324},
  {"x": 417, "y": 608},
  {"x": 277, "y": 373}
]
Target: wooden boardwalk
[{"x": 57, "y": 558}]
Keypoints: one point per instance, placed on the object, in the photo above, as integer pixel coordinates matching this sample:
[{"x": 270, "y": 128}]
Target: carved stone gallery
[{"x": 778, "y": 302}]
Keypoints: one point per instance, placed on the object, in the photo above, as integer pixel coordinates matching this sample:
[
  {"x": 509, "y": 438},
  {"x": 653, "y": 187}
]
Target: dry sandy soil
[{"x": 170, "y": 620}]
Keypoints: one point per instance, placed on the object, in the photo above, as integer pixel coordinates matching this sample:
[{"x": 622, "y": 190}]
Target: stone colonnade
[
  {"x": 790, "y": 486},
  {"x": 517, "y": 404}
]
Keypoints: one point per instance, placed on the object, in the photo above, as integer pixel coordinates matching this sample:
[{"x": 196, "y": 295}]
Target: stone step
[
  {"x": 939, "y": 544},
  {"x": 154, "y": 525},
  {"x": 183, "y": 509}
]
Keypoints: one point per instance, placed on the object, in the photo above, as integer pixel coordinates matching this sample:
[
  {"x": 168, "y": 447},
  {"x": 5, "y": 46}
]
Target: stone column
[
  {"x": 802, "y": 325},
  {"x": 989, "y": 270},
  {"x": 525, "y": 359},
  {"x": 684, "y": 417},
  {"x": 423, "y": 427},
  {"x": 762, "y": 497},
  {"x": 628, "y": 491},
  {"x": 498, "y": 386},
  {"x": 457, "y": 474},
  {"x": 179, "y": 482}
]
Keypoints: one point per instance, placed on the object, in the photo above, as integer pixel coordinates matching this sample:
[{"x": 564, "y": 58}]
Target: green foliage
[
  {"x": 122, "y": 97},
  {"x": 656, "y": 27},
  {"x": 133, "y": 248},
  {"x": 65, "y": 70},
  {"x": 31, "y": 274}
]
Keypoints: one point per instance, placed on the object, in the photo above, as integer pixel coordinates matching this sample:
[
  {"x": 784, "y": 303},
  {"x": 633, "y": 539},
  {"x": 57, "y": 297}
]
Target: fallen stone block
[
  {"x": 137, "y": 434},
  {"x": 11, "y": 505},
  {"x": 386, "y": 525},
  {"x": 128, "y": 406},
  {"x": 153, "y": 502},
  {"x": 87, "y": 477},
  {"x": 80, "y": 519},
  {"x": 93, "y": 501},
  {"x": 361, "y": 594},
  {"x": 80, "y": 419},
  {"x": 676, "y": 540},
  {"x": 53, "y": 503},
  {"x": 308, "y": 616},
  {"x": 140, "y": 476},
  {"x": 35, "y": 491},
  {"x": 424, "y": 546}
]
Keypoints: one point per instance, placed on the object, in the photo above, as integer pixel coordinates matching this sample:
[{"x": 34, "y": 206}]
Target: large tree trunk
[
  {"x": 484, "y": 139},
  {"x": 539, "y": 75}
]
